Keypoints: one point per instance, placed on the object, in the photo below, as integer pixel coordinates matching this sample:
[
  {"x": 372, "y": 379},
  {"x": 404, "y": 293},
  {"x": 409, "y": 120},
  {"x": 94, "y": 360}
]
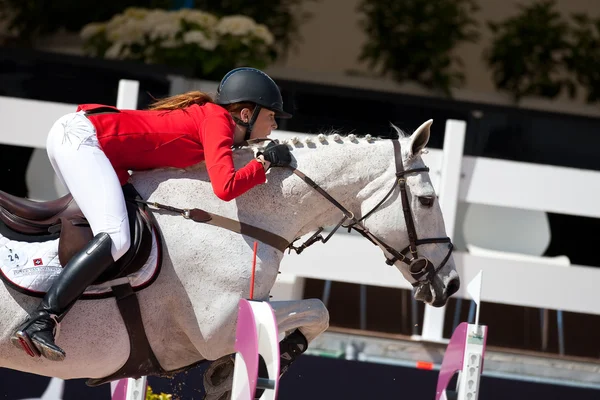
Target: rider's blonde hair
[
  {"x": 187, "y": 99},
  {"x": 183, "y": 100}
]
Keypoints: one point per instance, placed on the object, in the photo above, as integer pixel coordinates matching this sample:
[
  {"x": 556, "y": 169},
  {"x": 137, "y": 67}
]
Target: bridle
[{"x": 421, "y": 269}]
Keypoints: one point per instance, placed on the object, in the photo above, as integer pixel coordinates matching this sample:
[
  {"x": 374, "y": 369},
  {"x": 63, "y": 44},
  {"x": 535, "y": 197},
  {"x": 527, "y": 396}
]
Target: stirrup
[{"x": 23, "y": 339}]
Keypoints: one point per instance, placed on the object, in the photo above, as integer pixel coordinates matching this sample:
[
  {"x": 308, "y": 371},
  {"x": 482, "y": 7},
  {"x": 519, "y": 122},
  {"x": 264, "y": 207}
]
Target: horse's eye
[{"x": 426, "y": 201}]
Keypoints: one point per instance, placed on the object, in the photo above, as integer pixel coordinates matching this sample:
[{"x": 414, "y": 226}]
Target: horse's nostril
[{"x": 453, "y": 286}]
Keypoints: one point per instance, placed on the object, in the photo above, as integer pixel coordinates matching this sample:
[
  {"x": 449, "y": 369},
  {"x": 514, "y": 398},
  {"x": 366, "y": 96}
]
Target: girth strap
[{"x": 141, "y": 361}]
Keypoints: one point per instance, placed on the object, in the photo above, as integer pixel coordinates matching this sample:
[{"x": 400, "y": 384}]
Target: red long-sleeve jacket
[{"x": 143, "y": 139}]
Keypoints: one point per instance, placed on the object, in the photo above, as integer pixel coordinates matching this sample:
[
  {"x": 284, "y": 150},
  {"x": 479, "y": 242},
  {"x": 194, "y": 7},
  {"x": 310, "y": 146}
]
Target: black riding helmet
[{"x": 251, "y": 85}]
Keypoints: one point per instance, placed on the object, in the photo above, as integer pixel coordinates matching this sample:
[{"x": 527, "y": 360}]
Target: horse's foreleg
[{"x": 309, "y": 316}]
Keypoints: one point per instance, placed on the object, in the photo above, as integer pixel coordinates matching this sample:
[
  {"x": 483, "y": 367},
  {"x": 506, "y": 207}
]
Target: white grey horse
[{"x": 190, "y": 311}]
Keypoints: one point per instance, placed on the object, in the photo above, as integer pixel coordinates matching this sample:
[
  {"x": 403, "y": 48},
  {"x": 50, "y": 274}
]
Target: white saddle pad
[{"x": 32, "y": 267}]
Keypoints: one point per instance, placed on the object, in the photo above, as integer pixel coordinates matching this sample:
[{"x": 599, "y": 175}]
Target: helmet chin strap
[{"x": 250, "y": 124}]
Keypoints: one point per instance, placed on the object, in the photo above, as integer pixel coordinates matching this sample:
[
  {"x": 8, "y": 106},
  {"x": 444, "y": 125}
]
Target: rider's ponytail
[{"x": 181, "y": 101}]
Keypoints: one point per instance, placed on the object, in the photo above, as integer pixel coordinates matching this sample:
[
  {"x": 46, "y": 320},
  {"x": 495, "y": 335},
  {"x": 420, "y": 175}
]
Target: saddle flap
[
  {"x": 139, "y": 250},
  {"x": 74, "y": 235}
]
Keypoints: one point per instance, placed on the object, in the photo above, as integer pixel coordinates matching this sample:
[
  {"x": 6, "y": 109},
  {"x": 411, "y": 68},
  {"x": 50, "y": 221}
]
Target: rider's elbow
[{"x": 225, "y": 195}]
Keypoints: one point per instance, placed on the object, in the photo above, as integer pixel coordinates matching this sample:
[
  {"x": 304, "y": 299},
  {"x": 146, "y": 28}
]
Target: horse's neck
[{"x": 349, "y": 170}]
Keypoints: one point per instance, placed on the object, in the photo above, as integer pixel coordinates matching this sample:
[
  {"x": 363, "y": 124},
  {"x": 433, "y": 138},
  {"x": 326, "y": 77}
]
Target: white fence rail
[{"x": 460, "y": 181}]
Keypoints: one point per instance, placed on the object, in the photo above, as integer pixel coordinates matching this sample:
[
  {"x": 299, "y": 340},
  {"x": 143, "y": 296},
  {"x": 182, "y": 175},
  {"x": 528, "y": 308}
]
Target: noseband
[{"x": 421, "y": 269}]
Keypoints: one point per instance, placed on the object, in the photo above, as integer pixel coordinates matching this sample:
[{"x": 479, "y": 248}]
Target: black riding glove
[{"x": 277, "y": 154}]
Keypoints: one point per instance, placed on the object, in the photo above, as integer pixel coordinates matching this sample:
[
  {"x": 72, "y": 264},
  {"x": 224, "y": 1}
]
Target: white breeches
[{"x": 87, "y": 173}]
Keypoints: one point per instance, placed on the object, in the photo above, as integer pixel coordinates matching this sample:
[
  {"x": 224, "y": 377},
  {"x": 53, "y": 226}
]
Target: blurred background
[{"x": 523, "y": 74}]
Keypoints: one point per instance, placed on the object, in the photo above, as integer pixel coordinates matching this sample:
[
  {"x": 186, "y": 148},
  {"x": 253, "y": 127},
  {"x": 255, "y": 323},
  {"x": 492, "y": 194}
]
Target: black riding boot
[{"x": 36, "y": 335}]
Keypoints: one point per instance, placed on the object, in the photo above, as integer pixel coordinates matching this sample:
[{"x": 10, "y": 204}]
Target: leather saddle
[{"x": 32, "y": 221}]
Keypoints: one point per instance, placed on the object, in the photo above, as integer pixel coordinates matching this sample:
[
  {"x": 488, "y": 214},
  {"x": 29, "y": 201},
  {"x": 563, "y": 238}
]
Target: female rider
[{"x": 93, "y": 149}]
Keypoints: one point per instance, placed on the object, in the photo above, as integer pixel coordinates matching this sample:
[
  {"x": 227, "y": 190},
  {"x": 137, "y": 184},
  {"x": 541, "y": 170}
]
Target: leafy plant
[
  {"x": 198, "y": 40},
  {"x": 414, "y": 39},
  {"x": 283, "y": 17},
  {"x": 527, "y": 54},
  {"x": 583, "y": 58},
  {"x": 30, "y": 19},
  {"x": 150, "y": 395}
]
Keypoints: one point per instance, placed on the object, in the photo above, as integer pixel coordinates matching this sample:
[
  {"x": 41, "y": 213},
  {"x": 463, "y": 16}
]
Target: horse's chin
[{"x": 424, "y": 293}]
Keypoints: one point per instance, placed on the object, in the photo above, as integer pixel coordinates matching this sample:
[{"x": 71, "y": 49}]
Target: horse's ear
[{"x": 419, "y": 139}]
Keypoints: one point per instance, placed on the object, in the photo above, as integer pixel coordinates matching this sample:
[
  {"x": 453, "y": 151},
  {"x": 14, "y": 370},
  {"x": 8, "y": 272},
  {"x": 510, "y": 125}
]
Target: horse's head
[
  {"x": 409, "y": 223},
  {"x": 385, "y": 193}
]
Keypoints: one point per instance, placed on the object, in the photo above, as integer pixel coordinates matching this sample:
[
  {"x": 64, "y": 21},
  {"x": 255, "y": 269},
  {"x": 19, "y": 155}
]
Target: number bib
[{"x": 11, "y": 257}]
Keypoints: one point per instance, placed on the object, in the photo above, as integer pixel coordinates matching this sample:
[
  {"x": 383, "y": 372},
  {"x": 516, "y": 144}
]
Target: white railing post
[
  {"x": 454, "y": 141},
  {"x": 129, "y": 389},
  {"x": 127, "y": 97}
]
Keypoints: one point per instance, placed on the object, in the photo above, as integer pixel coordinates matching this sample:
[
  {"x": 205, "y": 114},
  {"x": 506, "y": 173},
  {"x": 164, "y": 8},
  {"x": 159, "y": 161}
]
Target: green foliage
[
  {"x": 528, "y": 52},
  {"x": 200, "y": 41},
  {"x": 415, "y": 39},
  {"x": 283, "y": 17},
  {"x": 31, "y": 18},
  {"x": 583, "y": 58}
]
